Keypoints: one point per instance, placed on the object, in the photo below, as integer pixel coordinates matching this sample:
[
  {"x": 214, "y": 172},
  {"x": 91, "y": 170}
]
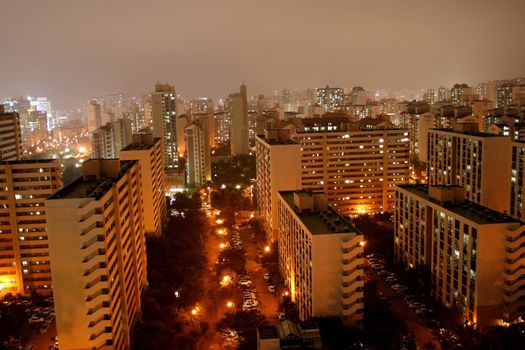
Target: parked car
[{"x": 271, "y": 288}]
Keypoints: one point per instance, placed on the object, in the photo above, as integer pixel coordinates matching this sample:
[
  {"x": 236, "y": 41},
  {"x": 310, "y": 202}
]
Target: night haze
[{"x": 70, "y": 50}]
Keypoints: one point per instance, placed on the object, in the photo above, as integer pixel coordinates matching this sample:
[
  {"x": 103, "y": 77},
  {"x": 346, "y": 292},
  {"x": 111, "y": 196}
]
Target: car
[
  {"x": 266, "y": 276},
  {"x": 282, "y": 316},
  {"x": 271, "y": 288}
]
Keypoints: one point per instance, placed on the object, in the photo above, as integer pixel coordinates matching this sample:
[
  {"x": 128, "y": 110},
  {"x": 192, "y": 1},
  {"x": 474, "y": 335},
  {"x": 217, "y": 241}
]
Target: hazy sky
[{"x": 71, "y": 49}]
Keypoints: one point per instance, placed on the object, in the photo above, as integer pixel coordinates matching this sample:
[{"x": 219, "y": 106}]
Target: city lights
[
  {"x": 267, "y": 249},
  {"x": 225, "y": 280}
]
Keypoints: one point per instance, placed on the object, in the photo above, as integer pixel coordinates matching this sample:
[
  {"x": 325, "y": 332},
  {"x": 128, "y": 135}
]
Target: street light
[
  {"x": 362, "y": 243},
  {"x": 219, "y": 221},
  {"x": 267, "y": 249},
  {"x": 226, "y": 279},
  {"x": 230, "y": 304},
  {"x": 222, "y": 245}
]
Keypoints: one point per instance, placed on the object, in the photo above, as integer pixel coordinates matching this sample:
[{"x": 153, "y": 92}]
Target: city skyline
[{"x": 377, "y": 44}]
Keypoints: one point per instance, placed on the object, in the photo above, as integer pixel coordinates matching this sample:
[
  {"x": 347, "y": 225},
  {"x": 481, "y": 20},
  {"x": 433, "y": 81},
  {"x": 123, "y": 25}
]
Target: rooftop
[
  {"x": 469, "y": 210},
  {"x": 27, "y": 161},
  {"x": 91, "y": 186},
  {"x": 470, "y": 133},
  {"x": 267, "y": 332},
  {"x": 319, "y": 222}
]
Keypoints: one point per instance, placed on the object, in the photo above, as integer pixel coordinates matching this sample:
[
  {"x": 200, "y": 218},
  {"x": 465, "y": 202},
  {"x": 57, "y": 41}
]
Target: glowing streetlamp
[
  {"x": 230, "y": 304},
  {"x": 362, "y": 243},
  {"x": 226, "y": 280},
  {"x": 222, "y": 245},
  {"x": 267, "y": 249},
  {"x": 219, "y": 221}
]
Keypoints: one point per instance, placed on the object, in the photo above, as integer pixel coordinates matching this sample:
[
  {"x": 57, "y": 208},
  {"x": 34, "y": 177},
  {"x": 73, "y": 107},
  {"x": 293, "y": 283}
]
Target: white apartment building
[
  {"x": 98, "y": 255},
  {"x": 149, "y": 152},
  {"x": 10, "y": 135},
  {"x": 474, "y": 253},
  {"x": 198, "y": 162},
  {"x": 108, "y": 140},
  {"x": 320, "y": 257}
]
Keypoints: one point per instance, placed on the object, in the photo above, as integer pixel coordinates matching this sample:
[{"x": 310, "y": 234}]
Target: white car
[
  {"x": 267, "y": 276},
  {"x": 271, "y": 289}
]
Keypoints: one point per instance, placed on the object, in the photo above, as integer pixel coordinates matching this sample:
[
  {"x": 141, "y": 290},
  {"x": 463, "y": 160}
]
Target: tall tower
[
  {"x": 10, "y": 135},
  {"x": 198, "y": 170},
  {"x": 163, "y": 115},
  {"x": 239, "y": 132},
  {"x": 94, "y": 115}
]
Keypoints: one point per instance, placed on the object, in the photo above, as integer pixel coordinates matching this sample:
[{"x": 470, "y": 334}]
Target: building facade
[
  {"x": 108, "y": 140},
  {"x": 277, "y": 169},
  {"x": 10, "y": 135},
  {"x": 98, "y": 255},
  {"x": 476, "y": 161},
  {"x": 473, "y": 252},
  {"x": 198, "y": 161},
  {"x": 357, "y": 169},
  {"x": 149, "y": 152},
  {"x": 239, "y": 137},
  {"x": 164, "y": 121},
  {"x": 24, "y": 257},
  {"x": 330, "y": 97},
  {"x": 320, "y": 257}
]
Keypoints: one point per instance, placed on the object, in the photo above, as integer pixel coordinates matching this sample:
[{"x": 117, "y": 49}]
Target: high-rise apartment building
[
  {"x": 98, "y": 255},
  {"x": 474, "y": 253},
  {"x": 10, "y": 135},
  {"x": 477, "y": 161},
  {"x": 149, "y": 152},
  {"x": 329, "y": 97},
  {"x": 24, "y": 251},
  {"x": 108, "y": 140},
  {"x": 198, "y": 162},
  {"x": 357, "y": 169},
  {"x": 443, "y": 94},
  {"x": 320, "y": 257},
  {"x": 94, "y": 115},
  {"x": 517, "y": 181},
  {"x": 239, "y": 137},
  {"x": 277, "y": 168},
  {"x": 164, "y": 121}
]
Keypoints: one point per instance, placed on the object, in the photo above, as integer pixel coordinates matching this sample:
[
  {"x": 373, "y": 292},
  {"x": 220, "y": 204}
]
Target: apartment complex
[
  {"x": 477, "y": 161},
  {"x": 198, "y": 161},
  {"x": 10, "y": 135},
  {"x": 474, "y": 253},
  {"x": 98, "y": 255},
  {"x": 517, "y": 180},
  {"x": 320, "y": 257},
  {"x": 277, "y": 169},
  {"x": 356, "y": 168},
  {"x": 24, "y": 251},
  {"x": 149, "y": 152}
]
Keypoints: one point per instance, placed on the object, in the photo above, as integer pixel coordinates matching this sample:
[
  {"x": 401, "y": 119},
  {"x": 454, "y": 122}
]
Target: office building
[
  {"x": 320, "y": 257},
  {"x": 477, "y": 161},
  {"x": 24, "y": 258},
  {"x": 108, "y": 140},
  {"x": 198, "y": 161},
  {"x": 329, "y": 97},
  {"x": 239, "y": 137},
  {"x": 474, "y": 253},
  {"x": 149, "y": 152},
  {"x": 10, "y": 135},
  {"x": 98, "y": 255},
  {"x": 164, "y": 121},
  {"x": 278, "y": 167}
]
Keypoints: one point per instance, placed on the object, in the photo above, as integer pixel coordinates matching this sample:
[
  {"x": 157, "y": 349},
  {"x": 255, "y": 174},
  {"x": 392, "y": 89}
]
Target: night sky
[{"x": 69, "y": 50}]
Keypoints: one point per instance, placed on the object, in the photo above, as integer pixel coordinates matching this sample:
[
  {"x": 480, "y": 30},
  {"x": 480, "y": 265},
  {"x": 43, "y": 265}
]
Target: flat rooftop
[
  {"x": 276, "y": 142},
  {"x": 27, "y": 161},
  {"x": 470, "y": 133},
  {"x": 320, "y": 222},
  {"x": 138, "y": 146},
  {"x": 90, "y": 186},
  {"x": 469, "y": 210}
]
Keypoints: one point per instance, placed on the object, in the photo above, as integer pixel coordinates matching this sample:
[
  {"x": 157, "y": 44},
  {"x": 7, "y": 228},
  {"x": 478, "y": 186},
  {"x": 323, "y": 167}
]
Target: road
[{"x": 415, "y": 325}]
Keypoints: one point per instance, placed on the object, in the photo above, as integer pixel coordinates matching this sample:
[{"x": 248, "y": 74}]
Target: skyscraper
[
  {"x": 98, "y": 255},
  {"x": 239, "y": 130},
  {"x": 164, "y": 121},
  {"x": 24, "y": 261},
  {"x": 109, "y": 139}
]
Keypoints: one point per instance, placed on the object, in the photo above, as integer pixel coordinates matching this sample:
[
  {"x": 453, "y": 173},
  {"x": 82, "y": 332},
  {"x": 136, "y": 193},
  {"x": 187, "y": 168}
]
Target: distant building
[
  {"x": 164, "y": 121},
  {"x": 10, "y": 135},
  {"x": 108, "y": 140},
  {"x": 240, "y": 143},
  {"x": 94, "y": 115},
  {"x": 329, "y": 97},
  {"x": 98, "y": 255},
  {"x": 277, "y": 169},
  {"x": 472, "y": 251},
  {"x": 320, "y": 257},
  {"x": 149, "y": 152},
  {"x": 198, "y": 162},
  {"x": 463, "y": 156},
  {"x": 24, "y": 258}
]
